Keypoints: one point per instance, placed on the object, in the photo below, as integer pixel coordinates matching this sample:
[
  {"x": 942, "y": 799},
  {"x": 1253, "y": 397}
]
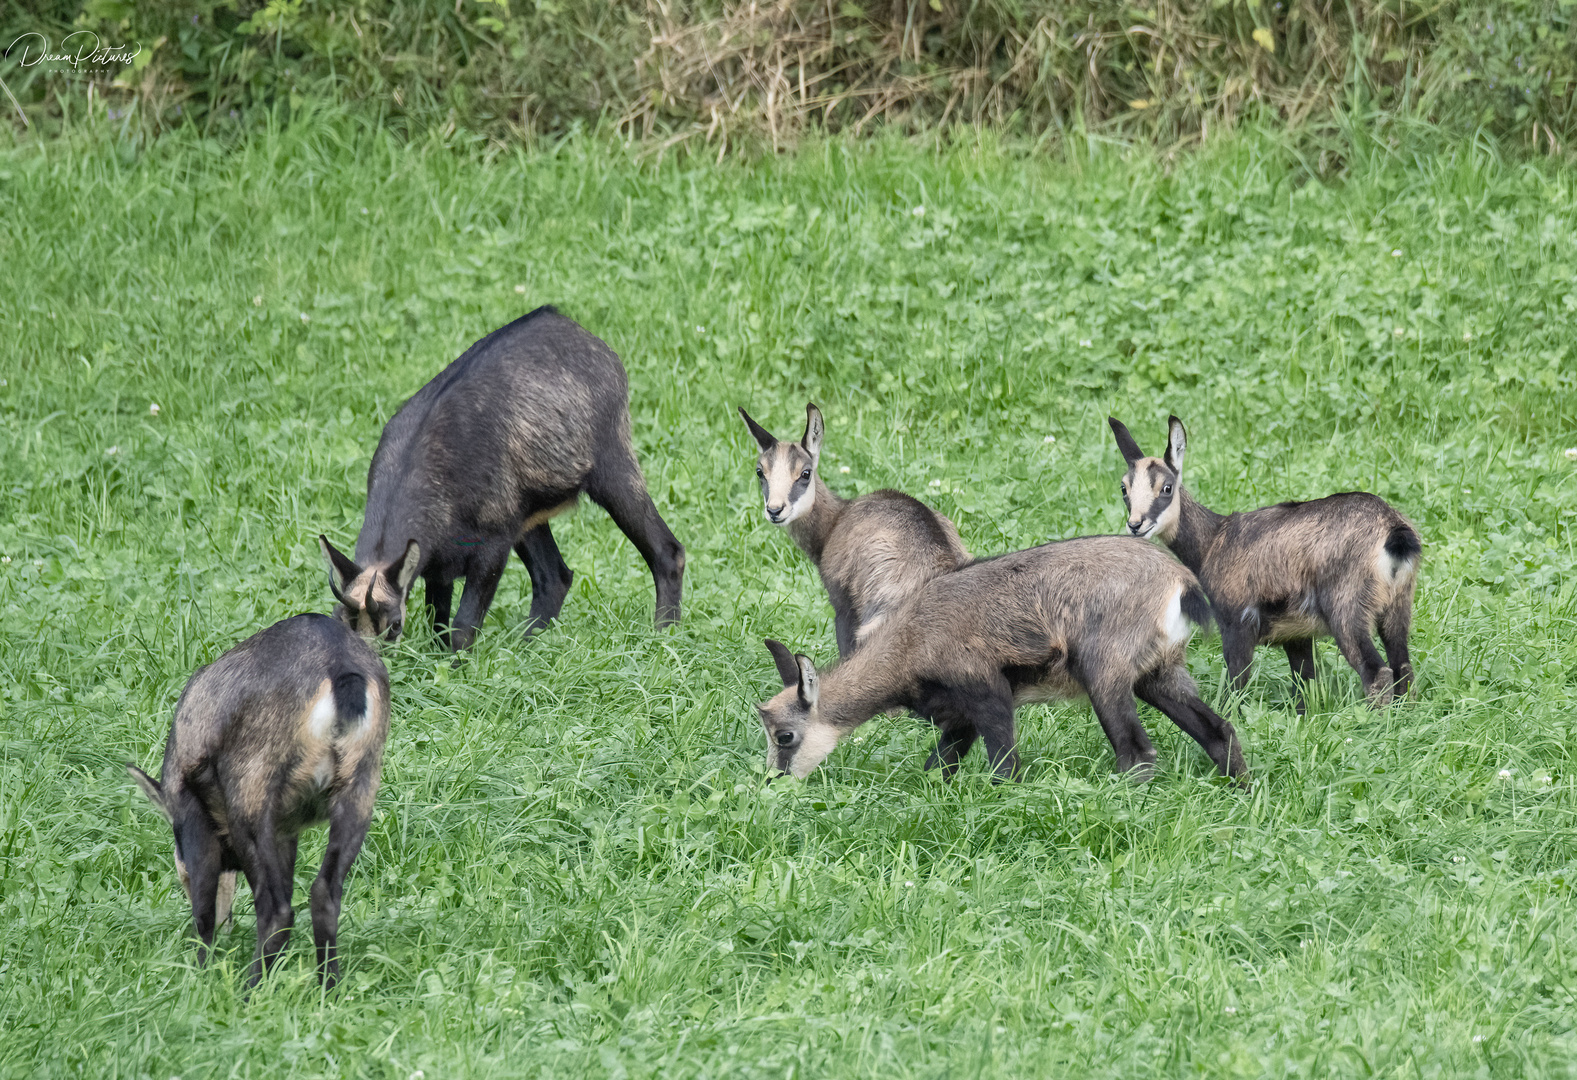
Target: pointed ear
[
  {"x": 342, "y": 570},
  {"x": 788, "y": 670},
  {"x": 1176, "y": 444},
  {"x": 762, "y": 436},
  {"x": 405, "y": 570},
  {"x": 809, "y": 682},
  {"x": 150, "y": 787},
  {"x": 1125, "y": 444},
  {"x": 815, "y": 429}
]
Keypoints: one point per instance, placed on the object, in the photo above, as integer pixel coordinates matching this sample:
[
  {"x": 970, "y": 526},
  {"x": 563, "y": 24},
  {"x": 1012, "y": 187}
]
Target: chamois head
[
  {"x": 787, "y": 469},
  {"x": 1152, "y": 487},
  {"x": 160, "y": 799},
  {"x": 371, "y": 601},
  {"x": 797, "y": 736}
]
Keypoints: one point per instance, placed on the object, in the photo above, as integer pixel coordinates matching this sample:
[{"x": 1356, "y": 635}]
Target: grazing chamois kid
[
  {"x": 1102, "y": 616},
  {"x": 477, "y": 462},
  {"x": 282, "y": 732},
  {"x": 873, "y": 551},
  {"x": 1342, "y": 566}
]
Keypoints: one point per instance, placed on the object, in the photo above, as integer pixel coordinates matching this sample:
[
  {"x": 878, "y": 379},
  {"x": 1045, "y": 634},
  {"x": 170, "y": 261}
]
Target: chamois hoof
[
  {"x": 1140, "y": 772},
  {"x": 1383, "y": 689}
]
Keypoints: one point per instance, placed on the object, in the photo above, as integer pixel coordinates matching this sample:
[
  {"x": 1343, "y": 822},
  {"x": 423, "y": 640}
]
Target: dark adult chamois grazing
[
  {"x": 282, "y": 732},
  {"x": 474, "y": 465},
  {"x": 1342, "y": 566},
  {"x": 1102, "y": 616},
  {"x": 873, "y": 551}
]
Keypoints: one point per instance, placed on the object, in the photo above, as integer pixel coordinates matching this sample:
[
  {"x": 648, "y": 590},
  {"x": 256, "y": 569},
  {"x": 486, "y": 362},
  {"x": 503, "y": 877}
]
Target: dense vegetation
[
  {"x": 730, "y": 73},
  {"x": 576, "y": 868}
]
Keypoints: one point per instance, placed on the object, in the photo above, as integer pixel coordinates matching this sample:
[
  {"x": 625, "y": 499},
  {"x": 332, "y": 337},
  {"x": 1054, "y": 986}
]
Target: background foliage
[
  {"x": 728, "y": 73},
  {"x": 575, "y": 867}
]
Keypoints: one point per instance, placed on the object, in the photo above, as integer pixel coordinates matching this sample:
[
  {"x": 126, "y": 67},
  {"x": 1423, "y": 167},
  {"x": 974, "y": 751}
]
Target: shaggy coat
[
  {"x": 873, "y": 552},
  {"x": 282, "y": 732},
  {"x": 477, "y": 462},
  {"x": 1101, "y": 616},
  {"x": 1343, "y": 566}
]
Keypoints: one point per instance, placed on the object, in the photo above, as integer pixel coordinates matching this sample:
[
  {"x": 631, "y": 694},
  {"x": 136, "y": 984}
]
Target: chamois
[
  {"x": 1103, "y": 616},
  {"x": 477, "y": 462},
  {"x": 282, "y": 732},
  {"x": 1343, "y": 566},
  {"x": 873, "y": 551}
]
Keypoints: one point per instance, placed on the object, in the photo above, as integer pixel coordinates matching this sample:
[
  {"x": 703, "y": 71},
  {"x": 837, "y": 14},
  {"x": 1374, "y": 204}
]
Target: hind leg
[
  {"x": 270, "y": 881},
  {"x": 952, "y": 743},
  {"x": 1237, "y": 651},
  {"x": 550, "y": 577},
  {"x": 1354, "y": 635},
  {"x": 1119, "y": 716},
  {"x": 482, "y": 572},
  {"x": 348, "y": 822},
  {"x": 1300, "y": 656},
  {"x": 1396, "y": 623},
  {"x": 1173, "y": 692},
  {"x": 616, "y": 485}
]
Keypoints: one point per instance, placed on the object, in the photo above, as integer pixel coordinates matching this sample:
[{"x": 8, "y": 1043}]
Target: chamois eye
[
  {"x": 783, "y": 738},
  {"x": 1166, "y": 490},
  {"x": 761, "y": 472},
  {"x": 805, "y": 475}
]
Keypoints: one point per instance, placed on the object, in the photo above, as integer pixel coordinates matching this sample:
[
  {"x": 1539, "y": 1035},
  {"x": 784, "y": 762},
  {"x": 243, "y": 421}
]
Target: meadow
[{"x": 576, "y": 867}]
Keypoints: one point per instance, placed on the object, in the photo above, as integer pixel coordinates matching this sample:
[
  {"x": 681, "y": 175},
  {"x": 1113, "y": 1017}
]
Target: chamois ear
[
  {"x": 809, "y": 682},
  {"x": 763, "y": 437},
  {"x": 1125, "y": 444},
  {"x": 342, "y": 569},
  {"x": 788, "y": 670},
  {"x": 815, "y": 430},
  {"x": 1176, "y": 444},
  {"x": 405, "y": 572},
  {"x": 150, "y": 787}
]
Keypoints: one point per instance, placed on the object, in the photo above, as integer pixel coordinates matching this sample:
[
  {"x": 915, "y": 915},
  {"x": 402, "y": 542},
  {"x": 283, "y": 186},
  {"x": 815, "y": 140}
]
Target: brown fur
[
  {"x": 873, "y": 552},
  {"x": 284, "y": 731},
  {"x": 1343, "y": 566},
  {"x": 1102, "y": 616}
]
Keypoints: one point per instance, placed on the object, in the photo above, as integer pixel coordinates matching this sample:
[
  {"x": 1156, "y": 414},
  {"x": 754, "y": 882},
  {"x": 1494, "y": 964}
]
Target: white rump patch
[
  {"x": 1392, "y": 569},
  {"x": 321, "y": 720},
  {"x": 1177, "y": 629}
]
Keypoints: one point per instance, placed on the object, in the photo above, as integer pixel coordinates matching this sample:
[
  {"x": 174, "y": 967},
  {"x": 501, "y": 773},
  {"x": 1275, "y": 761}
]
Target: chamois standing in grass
[
  {"x": 282, "y": 732},
  {"x": 1103, "y": 616},
  {"x": 478, "y": 461},
  {"x": 1343, "y": 566},
  {"x": 872, "y": 551}
]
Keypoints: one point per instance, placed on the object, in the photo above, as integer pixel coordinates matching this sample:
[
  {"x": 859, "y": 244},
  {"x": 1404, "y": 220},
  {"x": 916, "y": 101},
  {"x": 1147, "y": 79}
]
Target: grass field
[{"x": 575, "y": 867}]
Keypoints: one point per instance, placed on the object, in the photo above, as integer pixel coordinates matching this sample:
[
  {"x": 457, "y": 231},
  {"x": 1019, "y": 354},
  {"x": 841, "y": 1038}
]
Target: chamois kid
[
  {"x": 282, "y": 732},
  {"x": 873, "y": 551},
  {"x": 477, "y": 462},
  {"x": 1342, "y": 566},
  {"x": 1102, "y": 616}
]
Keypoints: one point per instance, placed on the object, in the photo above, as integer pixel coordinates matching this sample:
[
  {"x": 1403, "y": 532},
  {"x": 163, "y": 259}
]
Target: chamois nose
[
  {"x": 775, "y": 512},
  {"x": 1134, "y": 527}
]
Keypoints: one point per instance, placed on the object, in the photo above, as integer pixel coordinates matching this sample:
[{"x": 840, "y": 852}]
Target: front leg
[
  {"x": 1237, "y": 650},
  {"x": 952, "y": 743},
  {"x": 482, "y": 573},
  {"x": 440, "y": 598}
]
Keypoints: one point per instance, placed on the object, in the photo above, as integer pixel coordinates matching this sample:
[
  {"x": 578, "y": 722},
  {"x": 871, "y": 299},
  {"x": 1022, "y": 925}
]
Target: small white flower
[
  {"x": 1347, "y": 739},
  {"x": 521, "y": 289},
  {"x": 38, "y": 564},
  {"x": 1085, "y": 343},
  {"x": 1467, "y": 335},
  {"x": 305, "y": 317},
  {"x": 5, "y": 560},
  {"x": 1458, "y": 859},
  {"x": 1399, "y": 332},
  {"x": 1504, "y": 774},
  {"x": 364, "y": 210},
  {"x": 1049, "y": 439},
  {"x": 1571, "y": 451},
  {"x": 1303, "y": 944},
  {"x": 1478, "y": 1038},
  {"x": 153, "y": 409},
  {"x": 1396, "y": 253},
  {"x": 936, "y": 483},
  {"x": 843, "y": 468},
  {"x": 700, "y": 329},
  {"x": 257, "y": 301},
  {"x": 918, "y": 211},
  {"x": 112, "y": 451},
  {"x": 4, "y": 382},
  {"x": 908, "y": 884},
  {"x": 1230, "y": 1010}
]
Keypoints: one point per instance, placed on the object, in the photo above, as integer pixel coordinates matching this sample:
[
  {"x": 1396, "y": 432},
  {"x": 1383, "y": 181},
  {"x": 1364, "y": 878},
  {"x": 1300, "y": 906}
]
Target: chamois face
[
  {"x": 797, "y": 736},
  {"x": 371, "y": 600},
  {"x": 787, "y": 470},
  {"x": 1151, "y": 488}
]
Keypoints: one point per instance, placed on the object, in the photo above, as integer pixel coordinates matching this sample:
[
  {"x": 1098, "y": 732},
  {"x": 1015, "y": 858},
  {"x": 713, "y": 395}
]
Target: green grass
[{"x": 575, "y": 868}]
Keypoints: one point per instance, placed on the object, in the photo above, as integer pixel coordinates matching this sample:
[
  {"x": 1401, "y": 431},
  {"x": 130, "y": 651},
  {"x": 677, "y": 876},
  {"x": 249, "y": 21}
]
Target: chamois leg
[
  {"x": 201, "y": 848},
  {"x": 1354, "y": 635},
  {"x": 1396, "y": 623},
  {"x": 347, "y": 829},
  {"x": 1300, "y": 656},
  {"x": 1237, "y": 650},
  {"x": 617, "y": 486},
  {"x": 1119, "y": 717},
  {"x": 845, "y": 622},
  {"x": 440, "y": 601},
  {"x": 952, "y": 743},
  {"x": 1173, "y": 692},
  {"x": 260, "y": 855},
  {"x": 550, "y": 577},
  {"x": 992, "y": 716},
  {"x": 482, "y": 572}
]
